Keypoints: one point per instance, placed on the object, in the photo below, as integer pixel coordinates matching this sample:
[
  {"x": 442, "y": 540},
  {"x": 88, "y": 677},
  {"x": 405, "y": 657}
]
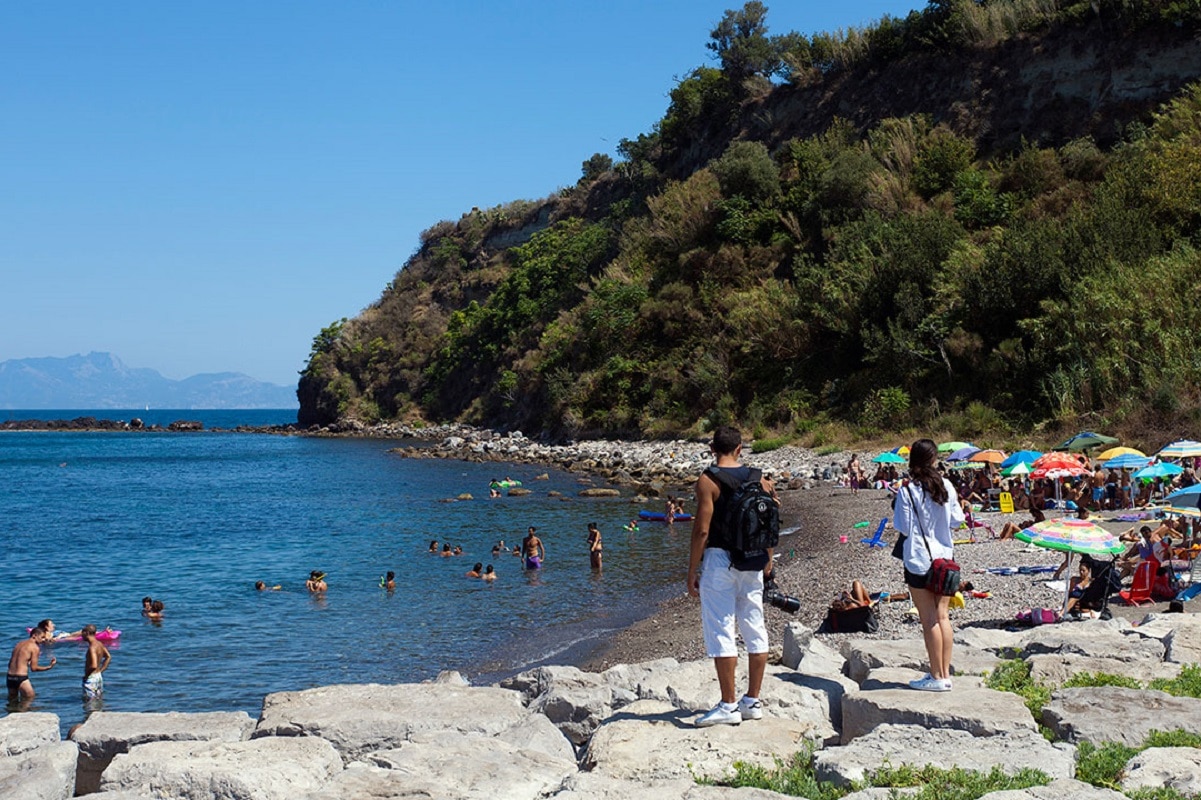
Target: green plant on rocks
[
  {"x": 793, "y": 777},
  {"x": 1014, "y": 676},
  {"x": 1103, "y": 765},
  {"x": 1187, "y": 684}
]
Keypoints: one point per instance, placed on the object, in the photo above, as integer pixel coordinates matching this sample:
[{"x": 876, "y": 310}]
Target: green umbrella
[
  {"x": 951, "y": 447},
  {"x": 1085, "y": 440},
  {"x": 1020, "y": 468}
]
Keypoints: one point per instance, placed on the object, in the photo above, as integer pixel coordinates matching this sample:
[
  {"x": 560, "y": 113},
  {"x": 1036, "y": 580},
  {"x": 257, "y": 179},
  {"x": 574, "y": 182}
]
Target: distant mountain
[{"x": 101, "y": 380}]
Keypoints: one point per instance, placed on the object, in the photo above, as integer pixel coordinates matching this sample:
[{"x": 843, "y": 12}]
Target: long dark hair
[{"x": 922, "y": 455}]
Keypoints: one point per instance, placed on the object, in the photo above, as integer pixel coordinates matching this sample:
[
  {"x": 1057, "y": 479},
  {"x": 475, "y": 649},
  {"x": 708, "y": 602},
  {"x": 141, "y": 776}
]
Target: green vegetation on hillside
[{"x": 879, "y": 277}]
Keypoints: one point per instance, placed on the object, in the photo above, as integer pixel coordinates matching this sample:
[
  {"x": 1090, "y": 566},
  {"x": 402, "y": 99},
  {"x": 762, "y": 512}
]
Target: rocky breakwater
[
  {"x": 626, "y": 732},
  {"x": 652, "y": 468}
]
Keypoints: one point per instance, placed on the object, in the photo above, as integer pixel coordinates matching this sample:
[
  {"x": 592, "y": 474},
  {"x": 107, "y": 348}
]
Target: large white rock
[
  {"x": 865, "y": 655},
  {"x": 1054, "y": 668},
  {"x": 655, "y": 741},
  {"x": 1176, "y": 768},
  {"x": 20, "y": 733},
  {"x": 360, "y": 718},
  {"x": 899, "y": 677},
  {"x": 1095, "y": 638},
  {"x": 1057, "y": 790},
  {"x": 1180, "y": 634},
  {"x": 44, "y": 773},
  {"x": 574, "y": 700},
  {"x": 456, "y": 765},
  {"x": 108, "y": 733},
  {"x": 277, "y": 768},
  {"x": 1111, "y": 714},
  {"x": 981, "y": 712},
  {"x": 944, "y": 748}
]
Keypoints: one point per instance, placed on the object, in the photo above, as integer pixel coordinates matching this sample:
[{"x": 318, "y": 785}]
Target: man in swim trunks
[
  {"x": 94, "y": 664},
  {"x": 24, "y": 660},
  {"x": 532, "y": 550}
]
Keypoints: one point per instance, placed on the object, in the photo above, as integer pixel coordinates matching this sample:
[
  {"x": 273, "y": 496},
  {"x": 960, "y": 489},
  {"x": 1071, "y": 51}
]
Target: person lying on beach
[
  {"x": 1010, "y": 530},
  {"x": 856, "y": 598}
]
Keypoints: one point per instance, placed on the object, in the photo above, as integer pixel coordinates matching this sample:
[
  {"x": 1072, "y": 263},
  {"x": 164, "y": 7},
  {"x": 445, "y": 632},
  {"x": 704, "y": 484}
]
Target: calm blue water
[
  {"x": 91, "y": 522},
  {"x": 212, "y": 418}
]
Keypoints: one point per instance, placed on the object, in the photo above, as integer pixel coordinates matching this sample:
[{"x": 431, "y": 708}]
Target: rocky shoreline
[{"x": 626, "y": 732}]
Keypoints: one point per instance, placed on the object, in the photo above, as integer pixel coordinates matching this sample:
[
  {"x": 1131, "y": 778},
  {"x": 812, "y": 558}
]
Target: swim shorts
[
  {"x": 533, "y": 562},
  {"x": 1098, "y": 493},
  {"x": 93, "y": 685},
  {"x": 731, "y": 599},
  {"x": 14, "y": 682}
]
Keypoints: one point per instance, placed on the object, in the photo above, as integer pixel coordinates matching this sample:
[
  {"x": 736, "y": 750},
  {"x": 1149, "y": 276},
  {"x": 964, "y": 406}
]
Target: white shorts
[{"x": 729, "y": 598}]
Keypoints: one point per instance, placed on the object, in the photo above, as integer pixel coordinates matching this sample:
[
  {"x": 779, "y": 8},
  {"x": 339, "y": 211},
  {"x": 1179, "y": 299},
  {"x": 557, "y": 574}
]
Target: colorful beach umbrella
[
  {"x": 1071, "y": 536},
  {"x": 888, "y": 458},
  {"x": 1160, "y": 470},
  {"x": 1127, "y": 461},
  {"x": 987, "y": 456},
  {"x": 951, "y": 447},
  {"x": 903, "y": 450},
  {"x": 1020, "y": 468},
  {"x": 1114, "y": 452},
  {"x": 1183, "y": 448},
  {"x": 1027, "y": 456},
  {"x": 1084, "y": 441},
  {"x": 963, "y": 453},
  {"x": 1055, "y": 466}
]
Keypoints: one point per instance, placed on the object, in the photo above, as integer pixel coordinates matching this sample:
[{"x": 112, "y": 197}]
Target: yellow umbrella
[{"x": 1114, "y": 452}]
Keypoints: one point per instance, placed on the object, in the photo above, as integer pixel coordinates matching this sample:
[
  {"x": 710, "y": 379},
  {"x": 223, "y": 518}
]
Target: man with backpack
[{"x": 736, "y": 526}]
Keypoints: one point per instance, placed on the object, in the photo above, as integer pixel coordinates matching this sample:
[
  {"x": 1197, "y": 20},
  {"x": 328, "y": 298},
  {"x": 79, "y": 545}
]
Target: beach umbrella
[
  {"x": 951, "y": 447},
  {"x": 1159, "y": 470},
  {"x": 1071, "y": 536},
  {"x": 888, "y": 458},
  {"x": 1186, "y": 501},
  {"x": 1055, "y": 466},
  {"x": 1183, "y": 448},
  {"x": 1084, "y": 440},
  {"x": 962, "y": 453},
  {"x": 903, "y": 450},
  {"x": 1020, "y": 468},
  {"x": 1127, "y": 461},
  {"x": 1114, "y": 452},
  {"x": 987, "y": 457},
  {"x": 1027, "y": 456}
]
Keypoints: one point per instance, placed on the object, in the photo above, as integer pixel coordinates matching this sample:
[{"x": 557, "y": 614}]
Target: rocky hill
[{"x": 943, "y": 215}]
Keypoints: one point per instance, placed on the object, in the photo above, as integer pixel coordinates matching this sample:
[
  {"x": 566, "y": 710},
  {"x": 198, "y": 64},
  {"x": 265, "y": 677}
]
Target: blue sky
[{"x": 201, "y": 187}]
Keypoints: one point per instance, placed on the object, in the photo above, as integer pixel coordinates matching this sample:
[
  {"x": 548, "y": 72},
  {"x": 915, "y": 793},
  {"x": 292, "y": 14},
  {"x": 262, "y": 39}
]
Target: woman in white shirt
[{"x": 927, "y": 511}]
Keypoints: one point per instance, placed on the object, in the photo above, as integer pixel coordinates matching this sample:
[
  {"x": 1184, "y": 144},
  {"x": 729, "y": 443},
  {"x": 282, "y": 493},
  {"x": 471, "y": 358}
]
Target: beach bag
[
  {"x": 1038, "y": 616},
  {"x": 750, "y": 522},
  {"x": 863, "y": 619},
  {"x": 943, "y": 577}
]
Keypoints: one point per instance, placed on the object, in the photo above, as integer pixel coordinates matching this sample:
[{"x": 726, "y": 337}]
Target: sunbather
[{"x": 856, "y": 598}]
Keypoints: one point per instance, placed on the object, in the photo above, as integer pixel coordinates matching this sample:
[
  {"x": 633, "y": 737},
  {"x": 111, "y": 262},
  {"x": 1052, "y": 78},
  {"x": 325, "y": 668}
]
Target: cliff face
[{"x": 416, "y": 352}]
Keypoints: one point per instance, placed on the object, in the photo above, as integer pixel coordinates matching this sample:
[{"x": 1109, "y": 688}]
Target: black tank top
[{"x": 717, "y": 536}]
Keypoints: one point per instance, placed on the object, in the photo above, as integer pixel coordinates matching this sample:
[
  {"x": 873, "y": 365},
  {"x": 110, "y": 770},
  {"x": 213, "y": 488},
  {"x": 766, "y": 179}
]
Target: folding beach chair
[
  {"x": 877, "y": 539},
  {"x": 1106, "y": 581},
  {"x": 1139, "y": 592}
]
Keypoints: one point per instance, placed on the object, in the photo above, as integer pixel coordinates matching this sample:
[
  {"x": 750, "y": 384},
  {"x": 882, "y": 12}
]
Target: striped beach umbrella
[
  {"x": 1127, "y": 461},
  {"x": 1183, "y": 448},
  {"x": 1071, "y": 536}
]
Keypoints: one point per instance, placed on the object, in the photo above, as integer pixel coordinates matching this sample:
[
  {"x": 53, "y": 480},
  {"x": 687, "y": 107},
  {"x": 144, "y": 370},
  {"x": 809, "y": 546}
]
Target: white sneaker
[
  {"x": 931, "y": 684},
  {"x": 750, "y": 708},
  {"x": 719, "y": 716}
]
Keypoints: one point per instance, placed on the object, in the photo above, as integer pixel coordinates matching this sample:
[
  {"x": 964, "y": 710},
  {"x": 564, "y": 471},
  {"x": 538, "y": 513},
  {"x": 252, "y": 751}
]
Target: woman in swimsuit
[{"x": 594, "y": 545}]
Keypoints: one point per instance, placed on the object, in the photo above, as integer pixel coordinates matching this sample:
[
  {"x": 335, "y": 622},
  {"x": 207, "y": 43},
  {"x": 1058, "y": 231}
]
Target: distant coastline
[{"x": 249, "y": 420}]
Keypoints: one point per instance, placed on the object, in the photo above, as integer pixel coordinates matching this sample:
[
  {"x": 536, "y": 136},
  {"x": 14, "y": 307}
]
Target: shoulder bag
[{"x": 943, "y": 576}]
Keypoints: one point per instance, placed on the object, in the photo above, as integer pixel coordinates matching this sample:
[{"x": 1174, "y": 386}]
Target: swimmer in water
[
  {"x": 389, "y": 581},
  {"x": 156, "y": 610},
  {"x": 434, "y": 546},
  {"x": 489, "y": 574},
  {"x": 533, "y": 550},
  {"x": 446, "y": 551},
  {"x": 260, "y": 586},
  {"x": 474, "y": 572},
  {"x": 594, "y": 545}
]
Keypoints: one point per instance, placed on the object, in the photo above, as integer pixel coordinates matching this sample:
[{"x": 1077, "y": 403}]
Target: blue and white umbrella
[
  {"x": 1021, "y": 457},
  {"x": 1127, "y": 461},
  {"x": 1160, "y": 470},
  {"x": 963, "y": 453},
  {"x": 1183, "y": 448}
]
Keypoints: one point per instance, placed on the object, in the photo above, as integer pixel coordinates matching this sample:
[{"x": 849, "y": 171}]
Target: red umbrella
[{"x": 1055, "y": 466}]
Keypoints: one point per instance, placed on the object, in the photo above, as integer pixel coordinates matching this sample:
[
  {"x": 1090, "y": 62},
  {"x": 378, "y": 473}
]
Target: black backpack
[{"x": 750, "y": 519}]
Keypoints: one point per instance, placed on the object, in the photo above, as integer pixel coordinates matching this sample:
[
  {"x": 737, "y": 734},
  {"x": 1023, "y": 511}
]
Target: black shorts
[
  {"x": 14, "y": 682},
  {"x": 915, "y": 581}
]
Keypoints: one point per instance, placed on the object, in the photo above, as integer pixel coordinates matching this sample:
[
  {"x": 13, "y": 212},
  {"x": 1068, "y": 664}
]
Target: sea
[{"x": 90, "y": 523}]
